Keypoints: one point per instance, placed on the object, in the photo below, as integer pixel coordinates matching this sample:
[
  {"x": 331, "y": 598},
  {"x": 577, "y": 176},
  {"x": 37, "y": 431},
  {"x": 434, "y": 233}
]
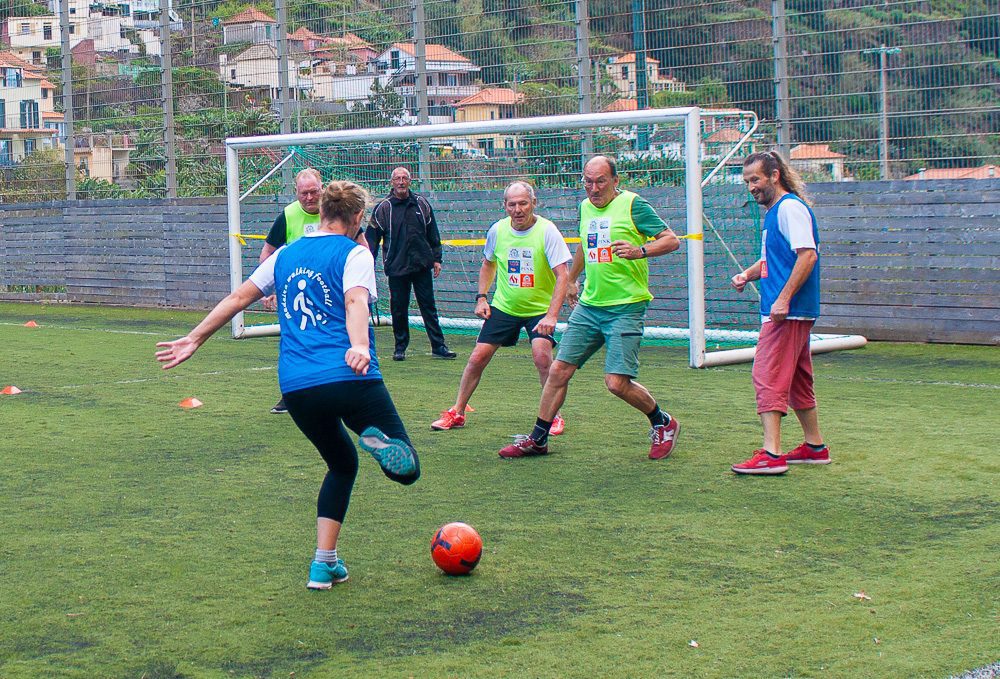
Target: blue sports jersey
[
  {"x": 779, "y": 260},
  {"x": 309, "y": 283}
]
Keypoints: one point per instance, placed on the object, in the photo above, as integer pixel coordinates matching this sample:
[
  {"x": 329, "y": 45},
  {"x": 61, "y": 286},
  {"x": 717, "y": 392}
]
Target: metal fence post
[
  {"x": 286, "y": 120},
  {"x": 641, "y": 82},
  {"x": 167, "y": 87},
  {"x": 420, "y": 89},
  {"x": 781, "y": 101},
  {"x": 583, "y": 73},
  {"x": 67, "y": 93}
]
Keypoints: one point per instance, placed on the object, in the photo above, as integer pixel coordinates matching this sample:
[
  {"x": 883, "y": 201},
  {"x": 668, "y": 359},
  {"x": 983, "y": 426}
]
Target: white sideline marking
[
  {"x": 164, "y": 377},
  {"x": 69, "y": 327}
]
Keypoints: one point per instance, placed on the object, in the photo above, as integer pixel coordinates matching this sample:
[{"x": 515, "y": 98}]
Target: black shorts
[{"x": 503, "y": 329}]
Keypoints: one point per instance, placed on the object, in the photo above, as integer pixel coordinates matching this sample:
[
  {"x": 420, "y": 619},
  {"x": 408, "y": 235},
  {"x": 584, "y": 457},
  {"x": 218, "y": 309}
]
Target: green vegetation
[{"x": 141, "y": 539}]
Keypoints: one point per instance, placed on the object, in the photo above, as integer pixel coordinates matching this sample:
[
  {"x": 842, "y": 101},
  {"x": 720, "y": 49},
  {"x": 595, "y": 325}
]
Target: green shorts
[{"x": 619, "y": 327}]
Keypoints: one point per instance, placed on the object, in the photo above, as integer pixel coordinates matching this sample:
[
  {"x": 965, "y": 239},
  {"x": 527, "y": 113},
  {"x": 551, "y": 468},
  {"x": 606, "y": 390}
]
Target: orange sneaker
[
  {"x": 450, "y": 419},
  {"x": 558, "y": 426}
]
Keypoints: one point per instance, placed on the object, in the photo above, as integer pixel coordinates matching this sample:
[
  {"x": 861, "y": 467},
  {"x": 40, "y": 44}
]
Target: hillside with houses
[{"x": 359, "y": 69}]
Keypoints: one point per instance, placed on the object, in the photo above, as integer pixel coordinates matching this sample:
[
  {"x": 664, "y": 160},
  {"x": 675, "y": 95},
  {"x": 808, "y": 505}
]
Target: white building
[
  {"x": 450, "y": 78},
  {"x": 257, "y": 67}
]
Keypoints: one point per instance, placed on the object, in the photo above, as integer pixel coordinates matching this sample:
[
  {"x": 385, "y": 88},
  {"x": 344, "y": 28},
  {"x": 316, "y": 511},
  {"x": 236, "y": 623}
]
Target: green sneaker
[
  {"x": 392, "y": 455},
  {"x": 325, "y": 575}
]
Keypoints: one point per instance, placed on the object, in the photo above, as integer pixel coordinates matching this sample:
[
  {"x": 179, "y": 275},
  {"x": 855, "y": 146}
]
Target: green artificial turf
[{"x": 139, "y": 539}]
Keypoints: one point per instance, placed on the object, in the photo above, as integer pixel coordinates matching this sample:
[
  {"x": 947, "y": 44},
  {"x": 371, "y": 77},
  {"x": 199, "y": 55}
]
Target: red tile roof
[
  {"x": 492, "y": 95},
  {"x": 249, "y": 16},
  {"x": 629, "y": 58},
  {"x": 620, "y": 105},
  {"x": 725, "y": 135},
  {"x": 981, "y": 172},
  {"x": 814, "y": 152},
  {"x": 434, "y": 52}
]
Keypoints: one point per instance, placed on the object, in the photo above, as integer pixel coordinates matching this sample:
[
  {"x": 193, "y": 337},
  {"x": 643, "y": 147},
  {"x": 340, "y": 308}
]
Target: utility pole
[
  {"x": 883, "y": 53},
  {"x": 641, "y": 84},
  {"x": 167, "y": 87},
  {"x": 420, "y": 89},
  {"x": 67, "y": 93},
  {"x": 782, "y": 113}
]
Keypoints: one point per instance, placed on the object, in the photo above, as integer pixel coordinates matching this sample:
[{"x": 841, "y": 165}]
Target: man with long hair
[{"x": 788, "y": 271}]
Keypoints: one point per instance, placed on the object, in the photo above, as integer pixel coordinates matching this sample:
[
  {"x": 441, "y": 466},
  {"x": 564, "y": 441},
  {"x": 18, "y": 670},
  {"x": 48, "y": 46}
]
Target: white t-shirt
[
  {"x": 556, "y": 250},
  {"x": 359, "y": 269},
  {"x": 796, "y": 224}
]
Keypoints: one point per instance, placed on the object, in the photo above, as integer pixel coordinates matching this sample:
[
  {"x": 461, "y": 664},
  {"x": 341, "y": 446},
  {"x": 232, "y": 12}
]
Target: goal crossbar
[{"x": 690, "y": 117}]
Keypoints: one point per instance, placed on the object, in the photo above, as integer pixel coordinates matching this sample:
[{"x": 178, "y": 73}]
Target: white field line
[{"x": 160, "y": 378}]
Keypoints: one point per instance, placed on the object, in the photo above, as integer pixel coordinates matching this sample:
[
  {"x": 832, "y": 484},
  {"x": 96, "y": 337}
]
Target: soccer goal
[{"x": 684, "y": 161}]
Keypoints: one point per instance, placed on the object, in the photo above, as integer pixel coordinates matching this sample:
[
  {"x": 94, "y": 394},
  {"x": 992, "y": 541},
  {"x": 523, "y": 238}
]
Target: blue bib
[
  {"x": 779, "y": 259},
  {"x": 309, "y": 283}
]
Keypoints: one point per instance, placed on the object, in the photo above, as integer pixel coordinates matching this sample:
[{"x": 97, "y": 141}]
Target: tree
[{"x": 384, "y": 108}]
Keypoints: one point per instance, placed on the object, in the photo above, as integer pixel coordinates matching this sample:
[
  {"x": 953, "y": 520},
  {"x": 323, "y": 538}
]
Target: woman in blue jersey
[{"x": 327, "y": 369}]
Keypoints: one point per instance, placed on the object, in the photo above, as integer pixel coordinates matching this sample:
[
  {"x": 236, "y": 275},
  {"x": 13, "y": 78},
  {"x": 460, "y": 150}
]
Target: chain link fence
[{"x": 134, "y": 98}]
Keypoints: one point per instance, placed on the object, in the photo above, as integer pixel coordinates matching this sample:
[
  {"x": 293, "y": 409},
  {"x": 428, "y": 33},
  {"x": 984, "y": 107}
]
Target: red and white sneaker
[
  {"x": 762, "y": 463},
  {"x": 558, "y": 426},
  {"x": 450, "y": 419},
  {"x": 662, "y": 439},
  {"x": 523, "y": 446},
  {"x": 804, "y": 454}
]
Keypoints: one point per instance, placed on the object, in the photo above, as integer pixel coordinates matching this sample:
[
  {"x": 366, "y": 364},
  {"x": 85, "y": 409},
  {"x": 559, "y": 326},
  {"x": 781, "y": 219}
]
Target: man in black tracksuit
[{"x": 404, "y": 223}]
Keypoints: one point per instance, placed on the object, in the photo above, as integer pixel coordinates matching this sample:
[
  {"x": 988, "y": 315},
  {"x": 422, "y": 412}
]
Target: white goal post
[{"x": 690, "y": 148}]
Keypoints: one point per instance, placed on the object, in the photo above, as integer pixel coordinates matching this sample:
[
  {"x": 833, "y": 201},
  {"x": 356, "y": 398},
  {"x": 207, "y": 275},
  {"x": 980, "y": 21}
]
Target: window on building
[
  {"x": 47, "y": 31},
  {"x": 493, "y": 115},
  {"x": 45, "y": 93},
  {"x": 84, "y": 167},
  {"x": 449, "y": 79},
  {"x": 72, "y": 29},
  {"x": 29, "y": 115},
  {"x": 5, "y": 151},
  {"x": 121, "y": 31},
  {"x": 232, "y": 73},
  {"x": 29, "y": 146},
  {"x": 3, "y": 113},
  {"x": 624, "y": 72},
  {"x": 36, "y": 57},
  {"x": 25, "y": 28},
  {"x": 267, "y": 32},
  {"x": 12, "y": 77},
  {"x": 394, "y": 60}
]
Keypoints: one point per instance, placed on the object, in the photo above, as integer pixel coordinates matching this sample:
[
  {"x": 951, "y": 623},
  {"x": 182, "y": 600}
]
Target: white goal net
[{"x": 685, "y": 161}]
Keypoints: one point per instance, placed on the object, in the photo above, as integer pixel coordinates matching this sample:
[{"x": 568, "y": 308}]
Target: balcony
[{"x": 450, "y": 91}]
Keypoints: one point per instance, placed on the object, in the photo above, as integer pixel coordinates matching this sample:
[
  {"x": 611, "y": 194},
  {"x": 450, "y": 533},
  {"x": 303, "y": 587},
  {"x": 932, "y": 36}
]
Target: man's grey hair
[
  {"x": 309, "y": 172},
  {"x": 404, "y": 169},
  {"x": 522, "y": 185}
]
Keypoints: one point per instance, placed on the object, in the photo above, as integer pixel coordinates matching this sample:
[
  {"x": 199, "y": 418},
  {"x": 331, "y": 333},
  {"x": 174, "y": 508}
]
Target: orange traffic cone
[
  {"x": 10, "y": 391},
  {"x": 191, "y": 403},
  {"x": 31, "y": 324}
]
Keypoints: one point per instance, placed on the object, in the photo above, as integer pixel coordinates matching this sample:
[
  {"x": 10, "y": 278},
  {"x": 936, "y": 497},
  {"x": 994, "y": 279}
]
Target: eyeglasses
[{"x": 599, "y": 183}]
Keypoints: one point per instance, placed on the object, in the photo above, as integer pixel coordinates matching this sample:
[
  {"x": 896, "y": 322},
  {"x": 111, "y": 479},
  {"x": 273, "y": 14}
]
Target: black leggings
[{"x": 321, "y": 413}]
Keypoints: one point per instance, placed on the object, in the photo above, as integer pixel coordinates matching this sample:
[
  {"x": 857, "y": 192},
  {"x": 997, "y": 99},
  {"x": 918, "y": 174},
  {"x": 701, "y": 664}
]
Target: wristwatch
[
  {"x": 481, "y": 296},
  {"x": 644, "y": 253}
]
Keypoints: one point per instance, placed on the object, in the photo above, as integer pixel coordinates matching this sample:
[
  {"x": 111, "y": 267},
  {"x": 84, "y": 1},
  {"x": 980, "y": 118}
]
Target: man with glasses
[
  {"x": 297, "y": 219},
  {"x": 403, "y": 223},
  {"x": 614, "y": 228}
]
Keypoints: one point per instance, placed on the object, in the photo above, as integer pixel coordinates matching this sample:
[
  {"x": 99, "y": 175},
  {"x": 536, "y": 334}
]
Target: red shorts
[{"x": 782, "y": 367}]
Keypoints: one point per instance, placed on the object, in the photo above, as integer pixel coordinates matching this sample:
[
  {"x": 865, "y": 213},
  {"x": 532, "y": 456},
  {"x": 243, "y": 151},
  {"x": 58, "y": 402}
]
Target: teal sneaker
[
  {"x": 324, "y": 575},
  {"x": 392, "y": 455}
]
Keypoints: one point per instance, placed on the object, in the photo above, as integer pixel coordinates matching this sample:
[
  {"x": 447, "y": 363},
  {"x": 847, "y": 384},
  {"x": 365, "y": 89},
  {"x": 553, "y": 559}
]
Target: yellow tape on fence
[
  {"x": 464, "y": 242},
  {"x": 242, "y": 237}
]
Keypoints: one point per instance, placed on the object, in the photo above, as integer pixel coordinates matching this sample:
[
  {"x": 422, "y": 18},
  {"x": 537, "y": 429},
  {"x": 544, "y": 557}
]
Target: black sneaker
[
  {"x": 444, "y": 352},
  {"x": 399, "y": 356},
  {"x": 279, "y": 408}
]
